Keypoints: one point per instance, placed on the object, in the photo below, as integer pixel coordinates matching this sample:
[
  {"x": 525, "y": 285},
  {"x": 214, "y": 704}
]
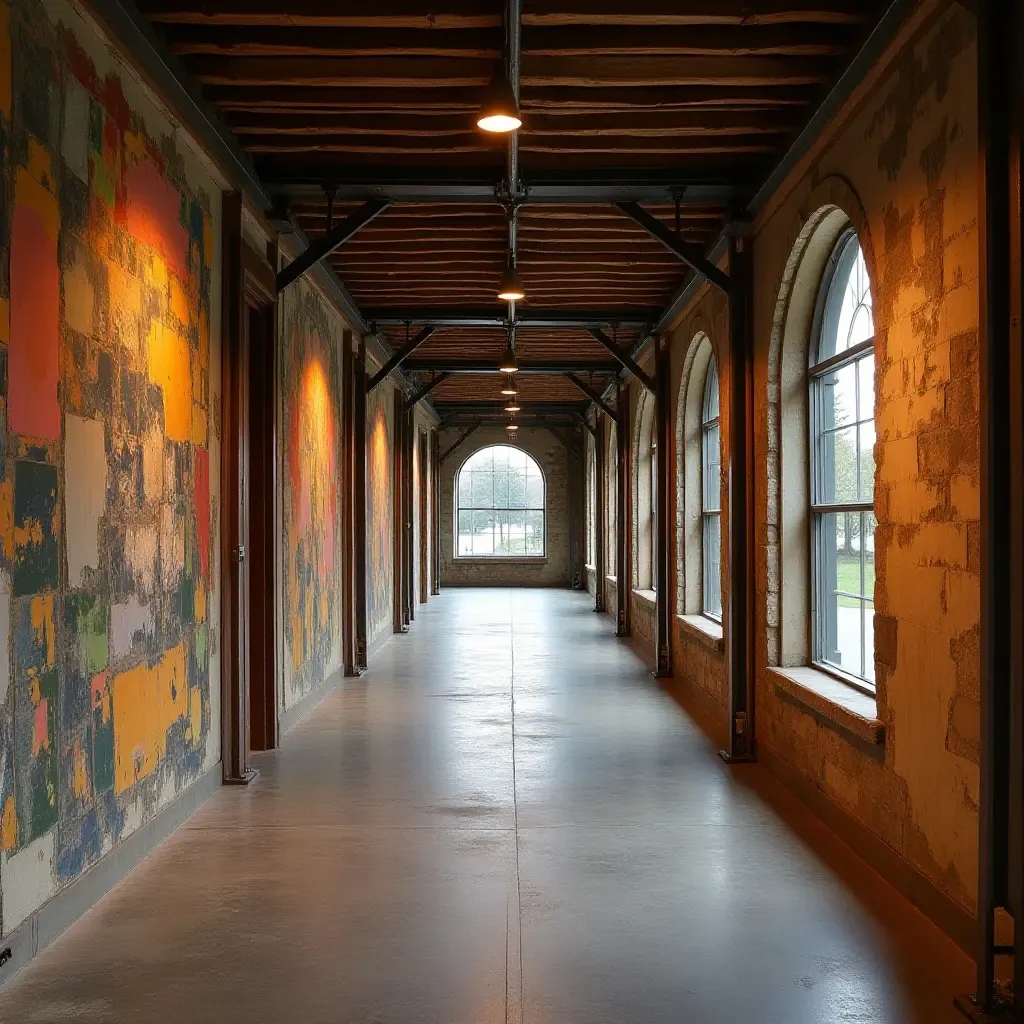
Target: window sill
[
  {"x": 833, "y": 704},
  {"x": 704, "y": 630},
  {"x": 612, "y": 579},
  {"x": 648, "y": 597},
  {"x": 501, "y": 560},
  {"x": 590, "y": 568}
]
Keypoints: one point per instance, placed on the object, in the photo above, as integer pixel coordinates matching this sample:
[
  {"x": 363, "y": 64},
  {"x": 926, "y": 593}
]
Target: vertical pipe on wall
[
  {"x": 663, "y": 613},
  {"x": 995, "y": 87},
  {"x": 599, "y": 510},
  {"x": 348, "y": 633},
  {"x": 400, "y": 620},
  {"x": 359, "y": 503},
  {"x": 739, "y": 607},
  {"x": 435, "y": 524},
  {"x": 624, "y": 514}
]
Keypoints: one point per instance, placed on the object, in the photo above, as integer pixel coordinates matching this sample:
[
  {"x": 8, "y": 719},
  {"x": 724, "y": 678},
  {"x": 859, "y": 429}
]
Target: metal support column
[
  {"x": 599, "y": 512},
  {"x": 663, "y": 512},
  {"x": 435, "y": 514},
  {"x": 740, "y": 527},
  {"x": 348, "y": 513},
  {"x": 1001, "y": 803},
  {"x": 359, "y": 503},
  {"x": 624, "y": 515}
]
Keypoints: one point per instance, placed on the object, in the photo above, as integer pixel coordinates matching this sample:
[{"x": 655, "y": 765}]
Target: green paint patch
[
  {"x": 35, "y": 528},
  {"x": 202, "y": 648},
  {"x": 102, "y": 733},
  {"x": 91, "y": 625},
  {"x": 41, "y": 810}
]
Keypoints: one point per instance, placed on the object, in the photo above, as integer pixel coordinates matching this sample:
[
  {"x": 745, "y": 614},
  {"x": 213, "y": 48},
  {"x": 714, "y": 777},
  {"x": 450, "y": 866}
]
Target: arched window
[
  {"x": 646, "y": 496},
  {"x": 711, "y": 498},
  {"x": 591, "y": 501},
  {"x": 611, "y": 501},
  {"x": 501, "y": 505},
  {"x": 842, "y": 479}
]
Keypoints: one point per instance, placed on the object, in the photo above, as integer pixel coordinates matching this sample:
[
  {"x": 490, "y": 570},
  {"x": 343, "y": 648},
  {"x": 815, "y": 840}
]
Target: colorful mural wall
[
  {"x": 108, "y": 373},
  {"x": 310, "y": 340},
  {"x": 380, "y": 513}
]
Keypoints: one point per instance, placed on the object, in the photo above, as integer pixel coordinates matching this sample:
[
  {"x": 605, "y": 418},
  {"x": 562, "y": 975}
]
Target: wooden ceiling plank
[{"x": 694, "y": 12}]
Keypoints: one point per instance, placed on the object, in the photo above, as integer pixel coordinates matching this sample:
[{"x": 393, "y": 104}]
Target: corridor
[{"x": 505, "y": 819}]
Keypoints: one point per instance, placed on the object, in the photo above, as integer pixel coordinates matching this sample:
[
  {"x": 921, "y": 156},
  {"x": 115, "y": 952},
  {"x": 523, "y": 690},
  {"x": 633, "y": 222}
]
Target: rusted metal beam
[
  {"x": 415, "y": 399},
  {"x": 332, "y": 240},
  {"x": 398, "y": 358},
  {"x": 592, "y": 395},
  {"x": 625, "y": 361},
  {"x": 692, "y": 255}
]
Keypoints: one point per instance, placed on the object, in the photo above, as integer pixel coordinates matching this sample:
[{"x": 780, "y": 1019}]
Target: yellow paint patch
[
  {"x": 195, "y": 728},
  {"x": 41, "y": 613},
  {"x": 8, "y": 826},
  {"x": 170, "y": 368},
  {"x": 147, "y": 702},
  {"x": 135, "y": 148},
  {"x": 30, "y": 194},
  {"x": 200, "y": 601},
  {"x": 5, "y": 60},
  {"x": 179, "y": 302},
  {"x": 80, "y": 776}
]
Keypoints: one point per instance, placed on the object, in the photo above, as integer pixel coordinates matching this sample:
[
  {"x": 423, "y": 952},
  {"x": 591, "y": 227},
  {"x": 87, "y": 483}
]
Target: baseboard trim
[
  {"x": 944, "y": 912},
  {"x": 287, "y": 720},
  {"x": 377, "y": 644},
  {"x": 62, "y": 910}
]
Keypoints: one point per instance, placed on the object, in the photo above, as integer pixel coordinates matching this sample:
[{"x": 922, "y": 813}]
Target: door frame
[{"x": 248, "y": 282}]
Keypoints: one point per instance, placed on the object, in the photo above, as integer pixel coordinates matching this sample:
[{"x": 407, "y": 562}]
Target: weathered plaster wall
[
  {"x": 310, "y": 338},
  {"x": 380, "y": 512},
  {"x": 109, "y": 465},
  {"x": 553, "y": 570},
  {"x": 903, "y": 169}
]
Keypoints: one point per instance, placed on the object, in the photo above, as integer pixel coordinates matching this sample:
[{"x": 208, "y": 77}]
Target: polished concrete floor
[{"x": 504, "y": 820}]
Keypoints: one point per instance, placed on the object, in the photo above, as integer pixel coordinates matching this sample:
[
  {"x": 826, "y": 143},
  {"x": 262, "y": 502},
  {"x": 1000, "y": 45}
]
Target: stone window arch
[{"x": 792, "y": 588}]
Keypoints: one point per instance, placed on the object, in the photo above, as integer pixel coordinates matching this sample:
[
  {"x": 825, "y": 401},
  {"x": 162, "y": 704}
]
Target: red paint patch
[
  {"x": 35, "y": 300},
  {"x": 99, "y": 689},
  {"x": 202, "y": 488},
  {"x": 153, "y": 215}
]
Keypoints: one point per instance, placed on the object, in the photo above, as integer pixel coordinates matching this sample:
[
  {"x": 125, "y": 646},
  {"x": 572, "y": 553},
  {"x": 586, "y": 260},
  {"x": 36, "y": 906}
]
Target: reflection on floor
[{"x": 503, "y": 820}]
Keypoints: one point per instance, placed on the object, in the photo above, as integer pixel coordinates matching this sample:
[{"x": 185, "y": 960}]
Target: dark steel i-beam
[
  {"x": 537, "y": 367},
  {"x": 332, "y": 240},
  {"x": 592, "y": 395},
  {"x": 415, "y": 399},
  {"x": 625, "y": 361},
  {"x": 635, "y": 319},
  {"x": 458, "y": 441},
  {"x": 398, "y": 358},
  {"x": 692, "y": 255}
]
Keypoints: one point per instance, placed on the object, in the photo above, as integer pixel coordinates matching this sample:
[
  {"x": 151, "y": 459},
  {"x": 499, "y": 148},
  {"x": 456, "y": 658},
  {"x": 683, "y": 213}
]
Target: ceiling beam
[
  {"x": 625, "y": 360},
  {"x": 531, "y": 367},
  {"x": 488, "y": 318},
  {"x": 331, "y": 241},
  {"x": 462, "y": 437},
  {"x": 432, "y": 185},
  {"x": 413, "y": 400},
  {"x": 692, "y": 255},
  {"x": 398, "y": 359},
  {"x": 593, "y": 395}
]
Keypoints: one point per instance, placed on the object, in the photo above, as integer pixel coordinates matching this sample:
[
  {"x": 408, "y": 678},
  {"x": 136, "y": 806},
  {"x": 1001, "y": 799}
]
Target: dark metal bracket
[
  {"x": 418, "y": 397},
  {"x": 627, "y": 362},
  {"x": 334, "y": 238},
  {"x": 592, "y": 395},
  {"x": 398, "y": 358}
]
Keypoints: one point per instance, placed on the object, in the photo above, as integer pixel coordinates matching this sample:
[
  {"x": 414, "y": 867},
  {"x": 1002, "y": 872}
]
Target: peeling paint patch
[
  {"x": 29, "y": 879},
  {"x": 85, "y": 477},
  {"x": 35, "y": 528}
]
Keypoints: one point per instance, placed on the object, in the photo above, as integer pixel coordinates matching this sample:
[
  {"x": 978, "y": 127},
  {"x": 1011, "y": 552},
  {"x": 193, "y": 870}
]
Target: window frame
[
  {"x": 710, "y": 425},
  {"x": 459, "y": 508},
  {"x": 817, "y": 370}
]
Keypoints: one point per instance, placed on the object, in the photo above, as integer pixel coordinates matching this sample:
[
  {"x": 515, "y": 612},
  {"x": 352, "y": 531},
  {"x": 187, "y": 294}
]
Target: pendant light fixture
[
  {"x": 512, "y": 428},
  {"x": 510, "y": 388},
  {"x": 508, "y": 362},
  {"x": 513, "y": 406},
  {"x": 499, "y": 109},
  {"x": 511, "y": 288}
]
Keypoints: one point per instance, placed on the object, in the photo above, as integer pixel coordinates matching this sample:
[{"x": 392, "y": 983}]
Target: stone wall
[
  {"x": 553, "y": 569},
  {"x": 899, "y": 165},
  {"x": 310, "y": 338},
  {"x": 109, "y": 455}
]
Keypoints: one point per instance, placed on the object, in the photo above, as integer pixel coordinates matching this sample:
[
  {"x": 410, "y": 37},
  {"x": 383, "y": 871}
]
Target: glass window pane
[
  {"x": 534, "y": 491},
  {"x": 535, "y": 532},
  {"x": 839, "y": 397},
  {"x": 465, "y": 487},
  {"x": 837, "y": 454},
  {"x": 711, "y": 568},
  {"x": 465, "y": 533},
  {"x": 517, "y": 488},
  {"x": 483, "y": 533},
  {"x": 712, "y": 486},
  {"x": 866, "y": 384},
  {"x": 483, "y": 489},
  {"x": 867, "y": 461},
  {"x": 711, "y": 393}
]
